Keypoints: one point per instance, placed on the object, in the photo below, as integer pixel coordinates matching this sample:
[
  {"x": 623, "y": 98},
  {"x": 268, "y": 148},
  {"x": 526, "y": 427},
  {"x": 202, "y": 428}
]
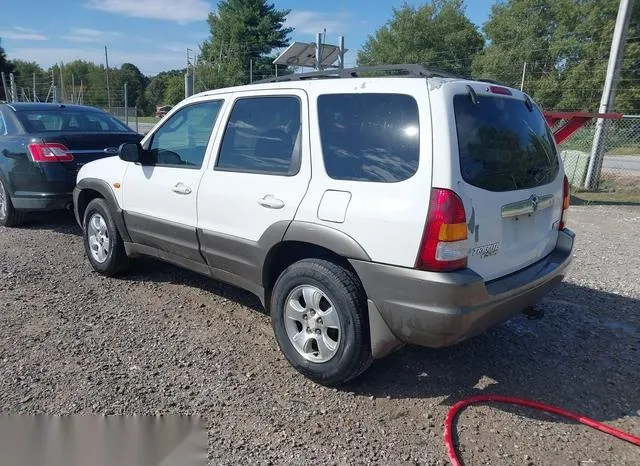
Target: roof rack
[{"x": 416, "y": 71}]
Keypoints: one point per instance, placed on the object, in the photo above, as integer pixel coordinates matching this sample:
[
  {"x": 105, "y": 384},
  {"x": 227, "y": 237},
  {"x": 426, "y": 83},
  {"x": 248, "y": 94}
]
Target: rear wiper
[{"x": 473, "y": 95}]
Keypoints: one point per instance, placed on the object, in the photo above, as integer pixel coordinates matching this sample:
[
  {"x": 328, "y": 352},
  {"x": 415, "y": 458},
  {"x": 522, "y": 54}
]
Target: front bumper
[
  {"x": 39, "y": 201},
  {"x": 441, "y": 309}
]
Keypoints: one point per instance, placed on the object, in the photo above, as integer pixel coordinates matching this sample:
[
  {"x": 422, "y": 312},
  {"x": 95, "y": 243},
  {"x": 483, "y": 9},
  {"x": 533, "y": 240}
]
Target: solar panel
[{"x": 304, "y": 54}]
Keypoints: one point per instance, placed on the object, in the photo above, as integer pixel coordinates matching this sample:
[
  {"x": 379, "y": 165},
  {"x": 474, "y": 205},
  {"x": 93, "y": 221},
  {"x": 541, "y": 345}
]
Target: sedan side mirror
[{"x": 130, "y": 152}]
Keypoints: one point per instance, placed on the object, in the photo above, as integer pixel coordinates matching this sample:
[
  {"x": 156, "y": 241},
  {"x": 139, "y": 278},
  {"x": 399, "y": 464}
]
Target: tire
[
  {"x": 9, "y": 216},
  {"x": 100, "y": 229},
  {"x": 338, "y": 355}
]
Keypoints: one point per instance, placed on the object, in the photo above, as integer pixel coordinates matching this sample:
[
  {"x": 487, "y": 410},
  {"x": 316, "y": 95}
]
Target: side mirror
[{"x": 130, "y": 152}]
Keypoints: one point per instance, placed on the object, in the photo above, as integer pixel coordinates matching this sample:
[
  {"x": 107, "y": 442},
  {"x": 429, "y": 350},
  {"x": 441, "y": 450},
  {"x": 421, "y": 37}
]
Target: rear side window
[
  {"x": 503, "y": 146},
  {"x": 369, "y": 137},
  {"x": 262, "y": 136},
  {"x": 37, "y": 121}
]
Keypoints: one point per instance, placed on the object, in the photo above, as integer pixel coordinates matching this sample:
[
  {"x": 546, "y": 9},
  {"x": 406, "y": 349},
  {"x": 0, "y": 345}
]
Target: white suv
[{"x": 364, "y": 212}]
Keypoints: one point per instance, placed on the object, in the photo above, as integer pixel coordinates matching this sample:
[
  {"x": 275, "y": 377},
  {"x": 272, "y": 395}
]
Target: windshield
[
  {"x": 503, "y": 146},
  {"x": 37, "y": 121}
]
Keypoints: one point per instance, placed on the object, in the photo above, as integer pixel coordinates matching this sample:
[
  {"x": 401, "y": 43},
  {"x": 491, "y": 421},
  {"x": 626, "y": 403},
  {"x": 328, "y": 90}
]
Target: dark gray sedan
[{"x": 42, "y": 147}]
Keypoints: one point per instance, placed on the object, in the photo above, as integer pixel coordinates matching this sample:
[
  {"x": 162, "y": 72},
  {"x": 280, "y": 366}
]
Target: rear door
[
  {"x": 505, "y": 167},
  {"x": 258, "y": 180}
]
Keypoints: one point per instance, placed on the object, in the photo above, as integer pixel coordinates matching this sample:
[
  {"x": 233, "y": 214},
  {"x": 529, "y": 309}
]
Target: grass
[
  {"x": 627, "y": 150},
  {"x": 148, "y": 120},
  {"x": 613, "y": 189},
  {"x": 631, "y": 150}
]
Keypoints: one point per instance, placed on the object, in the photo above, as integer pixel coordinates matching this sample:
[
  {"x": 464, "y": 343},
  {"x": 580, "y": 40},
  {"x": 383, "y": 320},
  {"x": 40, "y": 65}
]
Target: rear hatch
[{"x": 508, "y": 175}]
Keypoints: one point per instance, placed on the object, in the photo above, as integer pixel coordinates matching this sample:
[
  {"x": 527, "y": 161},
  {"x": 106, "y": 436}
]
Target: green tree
[
  {"x": 156, "y": 92},
  {"x": 83, "y": 82},
  {"x": 436, "y": 34},
  {"x": 241, "y": 31},
  {"x": 173, "y": 90},
  {"x": 24, "y": 70},
  {"x": 5, "y": 67},
  {"x": 566, "y": 46},
  {"x": 136, "y": 82}
]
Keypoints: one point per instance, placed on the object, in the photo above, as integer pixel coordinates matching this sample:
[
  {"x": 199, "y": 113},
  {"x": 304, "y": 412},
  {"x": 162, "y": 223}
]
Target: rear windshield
[
  {"x": 369, "y": 137},
  {"x": 503, "y": 146},
  {"x": 37, "y": 121}
]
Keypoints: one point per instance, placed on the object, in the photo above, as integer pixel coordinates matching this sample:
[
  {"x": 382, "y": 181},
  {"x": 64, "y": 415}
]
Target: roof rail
[{"x": 417, "y": 71}]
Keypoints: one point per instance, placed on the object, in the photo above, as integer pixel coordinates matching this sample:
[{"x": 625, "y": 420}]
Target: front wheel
[
  {"x": 318, "y": 313},
  {"x": 102, "y": 241}
]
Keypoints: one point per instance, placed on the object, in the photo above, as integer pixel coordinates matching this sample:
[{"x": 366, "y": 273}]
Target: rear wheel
[
  {"x": 318, "y": 313},
  {"x": 9, "y": 216},
  {"x": 102, "y": 241}
]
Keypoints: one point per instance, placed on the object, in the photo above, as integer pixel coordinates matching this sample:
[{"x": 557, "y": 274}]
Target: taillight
[
  {"x": 49, "y": 152},
  {"x": 566, "y": 201},
  {"x": 444, "y": 241}
]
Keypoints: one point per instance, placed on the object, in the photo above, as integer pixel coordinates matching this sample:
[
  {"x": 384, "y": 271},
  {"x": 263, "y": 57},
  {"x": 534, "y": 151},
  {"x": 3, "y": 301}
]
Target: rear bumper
[
  {"x": 39, "y": 201},
  {"x": 441, "y": 309}
]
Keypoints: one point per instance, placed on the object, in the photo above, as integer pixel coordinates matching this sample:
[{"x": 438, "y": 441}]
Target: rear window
[
  {"x": 369, "y": 137},
  {"x": 503, "y": 146},
  {"x": 37, "y": 121}
]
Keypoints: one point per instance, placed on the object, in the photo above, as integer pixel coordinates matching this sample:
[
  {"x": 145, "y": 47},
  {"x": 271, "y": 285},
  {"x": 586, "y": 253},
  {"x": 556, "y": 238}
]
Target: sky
[{"x": 154, "y": 34}]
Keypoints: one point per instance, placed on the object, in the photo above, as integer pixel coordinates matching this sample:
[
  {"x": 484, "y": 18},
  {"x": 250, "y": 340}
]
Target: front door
[{"x": 159, "y": 195}]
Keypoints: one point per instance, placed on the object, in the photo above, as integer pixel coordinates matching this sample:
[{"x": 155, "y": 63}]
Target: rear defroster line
[{"x": 460, "y": 405}]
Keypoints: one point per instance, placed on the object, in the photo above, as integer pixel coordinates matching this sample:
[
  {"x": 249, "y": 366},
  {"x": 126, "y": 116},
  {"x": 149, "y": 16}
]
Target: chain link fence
[
  {"x": 619, "y": 177},
  {"x": 128, "y": 115}
]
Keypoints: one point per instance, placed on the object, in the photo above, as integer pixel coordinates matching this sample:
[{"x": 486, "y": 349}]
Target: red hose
[{"x": 460, "y": 405}]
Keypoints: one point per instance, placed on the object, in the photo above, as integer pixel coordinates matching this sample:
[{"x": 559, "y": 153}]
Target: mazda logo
[{"x": 534, "y": 202}]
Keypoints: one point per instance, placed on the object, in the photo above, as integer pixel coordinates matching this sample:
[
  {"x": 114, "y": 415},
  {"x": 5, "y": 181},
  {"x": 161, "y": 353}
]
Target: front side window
[
  {"x": 369, "y": 137},
  {"x": 262, "y": 136},
  {"x": 182, "y": 140}
]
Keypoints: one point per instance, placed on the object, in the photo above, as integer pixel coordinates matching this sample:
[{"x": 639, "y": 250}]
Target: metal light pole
[
  {"x": 106, "y": 60},
  {"x": 608, "y": 93},
  {"x": 126, "y": 105},
  {"x": 319, "y": 51}
]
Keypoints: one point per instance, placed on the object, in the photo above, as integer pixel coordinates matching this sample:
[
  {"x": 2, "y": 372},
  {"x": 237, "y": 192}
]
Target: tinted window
[
  {"x": 3, "y": 128},
  {"x": 503, "y": 146},
  {"x": 369, "y": 137},
  {"x": 36, "y": 121},
  {"x": 262, "y": 136},
  {"x": 182, "y": 140}
]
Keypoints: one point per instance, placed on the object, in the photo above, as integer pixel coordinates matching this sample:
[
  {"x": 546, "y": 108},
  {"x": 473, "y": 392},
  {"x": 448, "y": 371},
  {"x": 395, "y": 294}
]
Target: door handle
[
  {"x": 181, "y": 188},
  {"x": 271, "y": 202}
]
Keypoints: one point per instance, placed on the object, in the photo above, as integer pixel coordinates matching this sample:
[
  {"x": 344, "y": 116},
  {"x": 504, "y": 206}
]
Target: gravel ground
[{"x": 164, "y": 340}]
